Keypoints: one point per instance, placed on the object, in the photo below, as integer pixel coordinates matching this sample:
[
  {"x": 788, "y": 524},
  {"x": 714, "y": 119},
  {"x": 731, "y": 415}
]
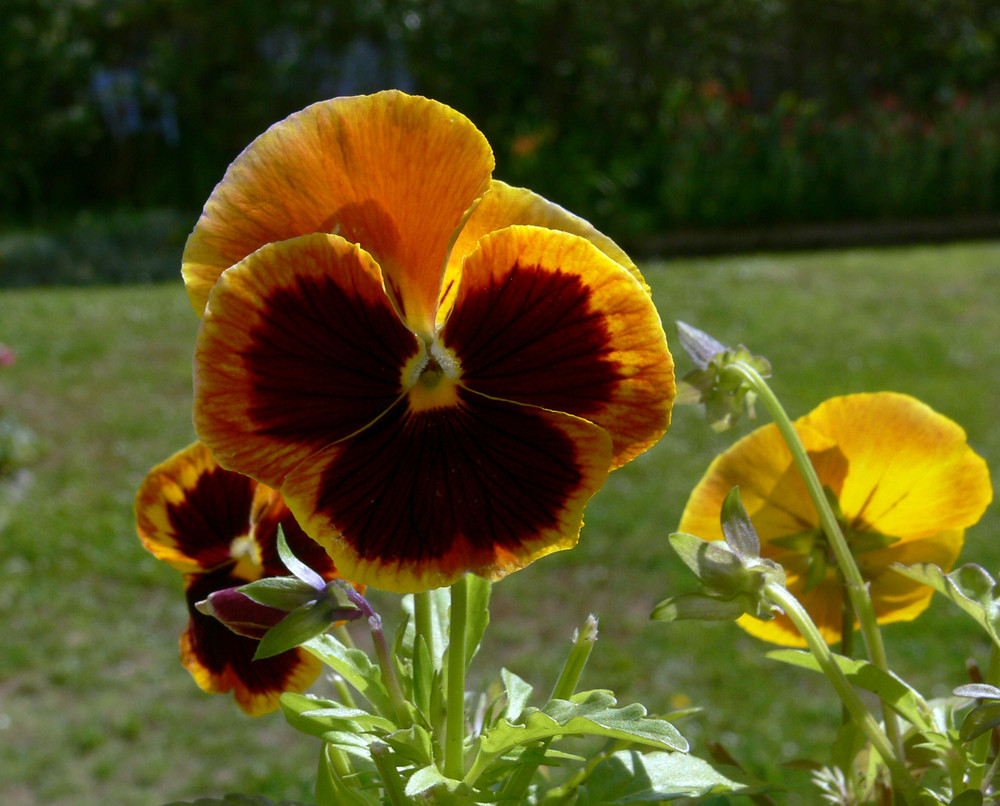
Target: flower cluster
[
  {"x": 220, "y": 530},
  {"x": 424, "y": 370}
]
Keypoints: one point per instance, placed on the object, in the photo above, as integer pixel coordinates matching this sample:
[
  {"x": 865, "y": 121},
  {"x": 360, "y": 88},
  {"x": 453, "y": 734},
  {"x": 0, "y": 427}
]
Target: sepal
[{"x": 724, "y": 393}]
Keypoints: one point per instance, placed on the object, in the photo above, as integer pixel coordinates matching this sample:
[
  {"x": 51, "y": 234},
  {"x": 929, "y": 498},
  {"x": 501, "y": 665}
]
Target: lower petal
[
  {"x": 419, "y": 499},
  {"x": 221, "y": 661}
]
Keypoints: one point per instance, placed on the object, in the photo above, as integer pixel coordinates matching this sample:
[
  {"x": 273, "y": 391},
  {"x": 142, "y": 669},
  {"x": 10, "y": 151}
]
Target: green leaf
[
  {"x": 304, "y": 713},
  {"x": 977, "y": 691},
  {"x": 427, "y": 778},
  {"x": 341, "y": 716},
  {"x": 699, "y": 607},
  {"x": 413, "y": 744},
  {"x": 970, "y": 797},
  {"x": 478, "y": 619},
  {"x": 979, "y": 720},
  {"x": 517, "y": 691},
  {"x": 629, "y": 776},
  {"x": 235, "y": 800},
  {"x": 439, "y": 601},
  {"x": 969, "y": 586},
  {"x": 590, "y": 713},
  {"x": 294, "y": 629},
  {"x": 894, "y": 692},
  {"x": 332, "y": 788},
  {"x": 356, "y": 668},
  {"x": 423, "y": 677},
  {"x": 283, "y": 593}
]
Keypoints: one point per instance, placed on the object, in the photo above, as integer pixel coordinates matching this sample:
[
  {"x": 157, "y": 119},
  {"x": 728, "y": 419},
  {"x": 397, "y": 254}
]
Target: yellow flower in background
[
  {"x": 904, "y": 480},
  {"x": 437, "y": 370}
]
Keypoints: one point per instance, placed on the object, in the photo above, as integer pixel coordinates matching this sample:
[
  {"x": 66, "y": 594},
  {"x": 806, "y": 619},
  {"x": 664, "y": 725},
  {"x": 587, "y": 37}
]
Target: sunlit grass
[{"x": 94, "y": 706}]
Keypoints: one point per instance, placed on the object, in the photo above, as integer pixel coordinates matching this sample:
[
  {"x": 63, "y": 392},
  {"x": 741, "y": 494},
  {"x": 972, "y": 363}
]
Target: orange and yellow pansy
[
  {"x": 906, "y": 484},
  {"x": 220, "y": 530},
  {"x": 437, "y": 370}
]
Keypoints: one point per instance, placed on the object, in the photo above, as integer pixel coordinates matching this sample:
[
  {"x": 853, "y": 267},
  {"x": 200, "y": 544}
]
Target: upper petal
[
  {"x": 771, "y": 488},
  {"x": 298, "y": 349},
  {"x": 544, "y": 318},
  {"x": 392, "y": 172},
  {"x": 911, "y": 472},
  {"x": 188, "y": 510},
  {"x": 422, "y": 497},
  {"x": 504, "y": 206}
]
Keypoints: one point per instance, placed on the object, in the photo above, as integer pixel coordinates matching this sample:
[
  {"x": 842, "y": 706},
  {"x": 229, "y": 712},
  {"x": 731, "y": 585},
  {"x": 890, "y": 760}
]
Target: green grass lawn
[{"x": 94, "y": 706}]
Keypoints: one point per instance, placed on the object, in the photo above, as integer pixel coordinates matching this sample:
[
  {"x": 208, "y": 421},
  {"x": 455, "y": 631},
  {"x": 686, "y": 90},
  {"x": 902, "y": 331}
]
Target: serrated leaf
[
  {"x": 589, "y": 713},
  {"x": 629, "y": 776},
  {"x": 356, "y": 668},
  {"x": 517, "y": 691},
  {"x": 893, "y": 691},
  {"x": 979, "y": 720},
  {"x": 427, "y": 778},
  {"x": 969, "y": 586}
]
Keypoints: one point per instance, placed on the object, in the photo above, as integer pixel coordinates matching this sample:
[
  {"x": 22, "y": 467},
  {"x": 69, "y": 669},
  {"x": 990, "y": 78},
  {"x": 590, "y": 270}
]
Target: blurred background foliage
[{"x": 645, "y": 116}]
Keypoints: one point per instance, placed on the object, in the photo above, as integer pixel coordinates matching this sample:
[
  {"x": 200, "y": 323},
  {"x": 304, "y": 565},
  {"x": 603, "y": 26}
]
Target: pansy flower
[
  {"x": 437, "y": 370},
  {"x": 901, "y": 477},
  {"x": 220, "y": 529}
]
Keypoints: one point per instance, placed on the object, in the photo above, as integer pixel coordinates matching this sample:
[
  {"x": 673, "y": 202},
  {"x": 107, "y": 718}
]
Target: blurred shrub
[{"x": 643, "y": 116}]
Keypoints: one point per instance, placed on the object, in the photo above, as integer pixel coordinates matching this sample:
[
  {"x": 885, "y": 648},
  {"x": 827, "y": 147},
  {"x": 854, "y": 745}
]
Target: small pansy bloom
[
  {"x": 437, "y": 370},
  {"x": 902, "y": 479},
  {"x": 220, "y": 529}
]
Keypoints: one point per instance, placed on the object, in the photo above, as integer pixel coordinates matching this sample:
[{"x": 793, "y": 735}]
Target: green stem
[
  {"x": 981, "y": 747},
  {"x": 517, "y": 785},
  {"x": 454, "y": 737},
  {"x": 857, "y": 589},
  {"x": 902, "y": 781},
  {"x": 343, "y": 690},
  {"x": 391, "y": 781},
  {"x": 388, "y": 669}
]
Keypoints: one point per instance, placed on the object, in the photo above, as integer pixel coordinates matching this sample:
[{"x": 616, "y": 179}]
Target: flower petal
[
  {"x": 392, "y": 172},
  {"x": 302, "y": 546},
  {"x": 418, "y": 499},
  {"x": 221, "y": 661},
  {"x": 771, "y": 489},
  {"x": 546, "y": 319},
  {"x": 188, "y": 510},
  {"x": 912, "y": 473},
  {"x": 504, "y": 206},
  {"x": 298, "y": 349}
]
